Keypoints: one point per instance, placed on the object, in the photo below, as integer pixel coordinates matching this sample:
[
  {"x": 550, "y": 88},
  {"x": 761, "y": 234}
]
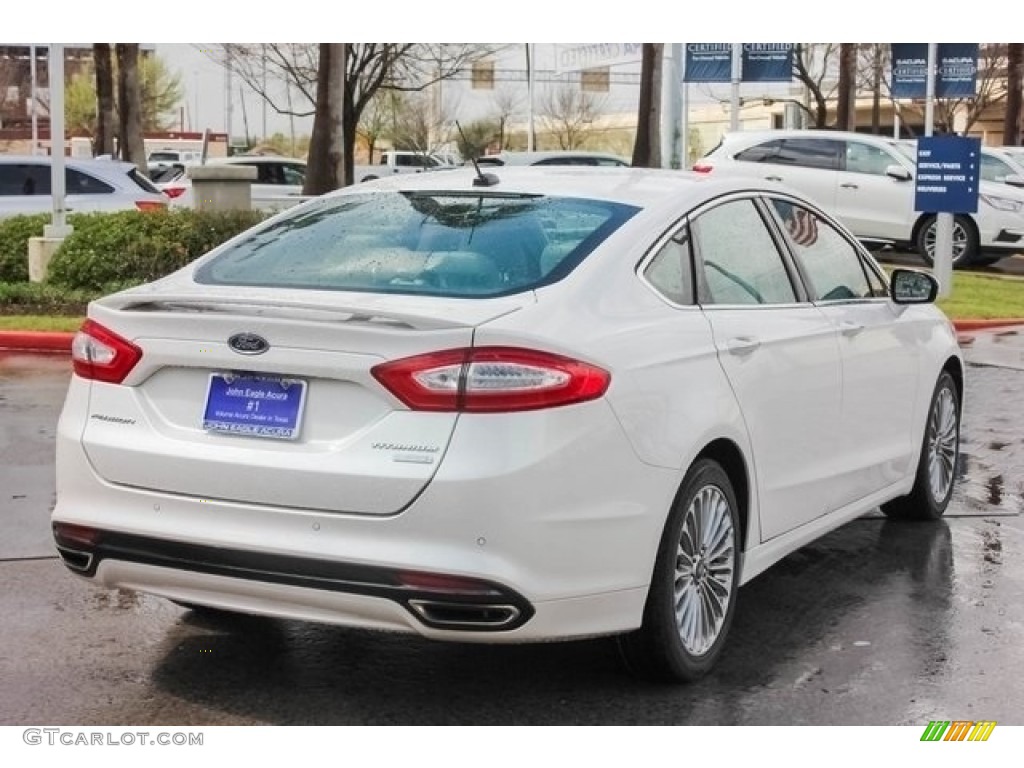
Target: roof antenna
[{"x": 482, "y": 179}]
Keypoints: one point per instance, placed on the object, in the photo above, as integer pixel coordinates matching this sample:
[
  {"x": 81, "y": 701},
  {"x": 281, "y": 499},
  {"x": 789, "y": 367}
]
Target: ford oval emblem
[{"x": 248, "y": 344}]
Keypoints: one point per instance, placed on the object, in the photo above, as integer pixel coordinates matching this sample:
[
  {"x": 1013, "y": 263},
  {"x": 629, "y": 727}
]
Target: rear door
[{"x": 781, "y": 357}]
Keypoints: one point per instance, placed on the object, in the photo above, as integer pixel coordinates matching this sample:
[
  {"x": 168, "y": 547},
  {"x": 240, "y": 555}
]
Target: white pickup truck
[{"x": 401, "y": 161}]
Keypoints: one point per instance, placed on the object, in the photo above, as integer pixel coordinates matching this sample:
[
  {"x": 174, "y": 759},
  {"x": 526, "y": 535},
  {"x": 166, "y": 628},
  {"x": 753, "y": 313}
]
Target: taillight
[
  {"x": 150, "y": 205},
  {"x": 102, "y": 355},
  {"x": 703, "y": 168},
  {"x": 491, "y": 380},
  {"x": 173, "y": 192}
]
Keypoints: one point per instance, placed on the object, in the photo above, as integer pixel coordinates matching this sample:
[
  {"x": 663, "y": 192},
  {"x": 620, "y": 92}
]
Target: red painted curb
[
  {"x": 983, "y": 325},
  {"x": 36, "y": 341}
]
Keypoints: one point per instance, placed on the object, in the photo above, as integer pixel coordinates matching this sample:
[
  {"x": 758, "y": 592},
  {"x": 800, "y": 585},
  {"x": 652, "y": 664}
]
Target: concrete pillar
[
  {"x": 40, "y": 251},
  {"x": 221, "y": 187}
]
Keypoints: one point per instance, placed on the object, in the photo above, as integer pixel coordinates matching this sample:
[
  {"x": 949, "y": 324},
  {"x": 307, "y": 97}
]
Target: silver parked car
[{"x": 91, "y": 185}]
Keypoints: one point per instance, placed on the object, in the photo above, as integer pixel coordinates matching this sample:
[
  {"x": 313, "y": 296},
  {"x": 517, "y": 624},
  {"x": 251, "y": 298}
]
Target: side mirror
[
  {"x": 909, "y": 286},
  {"x": 898, "y": 172},
  {"x": 1014, "y": 180}
]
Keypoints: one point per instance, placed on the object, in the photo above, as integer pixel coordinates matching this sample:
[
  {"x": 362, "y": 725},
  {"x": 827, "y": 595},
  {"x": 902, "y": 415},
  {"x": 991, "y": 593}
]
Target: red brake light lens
[
  {"x": 491, "y": 380},
  {"x": 99, "y": 354},
  {"x": 173, "y": 192},
  {"x": 703, "y": 168},
  {"x": 150, "y": 205}
]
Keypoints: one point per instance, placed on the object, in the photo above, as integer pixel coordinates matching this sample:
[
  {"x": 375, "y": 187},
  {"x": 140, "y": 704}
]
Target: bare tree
[
  {"x": 568, "y": 114},
  {"x": 421, "y": 124},
  {"x": 846, "y": 117},
  {"x": 369, "y": 68},
  {"x": 647, "y": 147},
  {"x": 507, "y": 103},
  {"x": 326, "y": 167},
  {"x": 814, "y": 65},
  {"x": 872, "y": 61},
  {"x": 103, "y": 141},
  {"x": 376, "y": 121},
  {"x": 129, "y": 92},
  {"x": 1014, "y": 75},
  {"x": 476, "y": 137}
]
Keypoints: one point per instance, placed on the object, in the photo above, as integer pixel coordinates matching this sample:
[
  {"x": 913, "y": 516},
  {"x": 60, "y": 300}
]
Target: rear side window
[
  {"x": 810, "y": 153},
  {"x": 762, "y": 153},
  {"x": 79, "y": 183},
  {"x": 437, "y": 244},
  {"x": 669, "y": 271}
]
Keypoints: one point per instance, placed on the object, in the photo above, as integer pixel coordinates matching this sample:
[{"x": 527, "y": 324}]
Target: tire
[
  {"x": 936, "y": 469},
  {"x": 965, "y": 241},
  {"x": 697, "y": 568}
]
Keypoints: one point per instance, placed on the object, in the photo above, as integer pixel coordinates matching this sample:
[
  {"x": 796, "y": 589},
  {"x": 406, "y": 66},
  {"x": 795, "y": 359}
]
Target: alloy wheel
[
  {"x": 705, "y": 561},
  {"x": 960, "y": 240},
  {"x": 942, "y": 444}
]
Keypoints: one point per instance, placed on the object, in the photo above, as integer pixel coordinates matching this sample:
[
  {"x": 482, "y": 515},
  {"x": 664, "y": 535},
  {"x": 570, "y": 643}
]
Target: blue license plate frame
[{"x": 255, "y": 405}]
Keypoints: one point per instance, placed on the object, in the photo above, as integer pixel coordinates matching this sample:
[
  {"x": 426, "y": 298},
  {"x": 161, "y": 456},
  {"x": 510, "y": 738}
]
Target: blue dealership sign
[
  {"x": 708, "y": 63},
  {"x": 955, "y": 76},
  {"x": 958, "y": 71},
  {"x": 948, "y": 174},
  {"x": 767, "y": 62},
  {"x": 759, "y": 62}
]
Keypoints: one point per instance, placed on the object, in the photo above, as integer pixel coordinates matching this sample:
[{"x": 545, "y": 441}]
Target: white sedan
[
  {"x": 537, "y": 404},
  {"x": 278, "y": 184}
]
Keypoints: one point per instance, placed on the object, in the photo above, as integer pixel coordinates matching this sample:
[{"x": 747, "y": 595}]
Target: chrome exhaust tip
[{"x": 452, "y": 615}]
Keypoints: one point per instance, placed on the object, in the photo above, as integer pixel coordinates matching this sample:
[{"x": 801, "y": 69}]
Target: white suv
[
  {"x": 867, "y": 182},
  {"x": 90, "y": 185}
]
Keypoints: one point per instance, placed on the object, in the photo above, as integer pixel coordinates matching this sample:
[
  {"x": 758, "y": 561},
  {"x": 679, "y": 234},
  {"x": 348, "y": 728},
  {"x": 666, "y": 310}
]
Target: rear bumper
[
  {"x": 454, "y": 604},
  {"x": 550, "y": 514}
]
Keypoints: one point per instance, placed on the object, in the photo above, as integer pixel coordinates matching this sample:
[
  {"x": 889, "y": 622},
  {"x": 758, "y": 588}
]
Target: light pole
[
  {"x": 58, "y": 227},
  {"x": 34, "y": 110}
]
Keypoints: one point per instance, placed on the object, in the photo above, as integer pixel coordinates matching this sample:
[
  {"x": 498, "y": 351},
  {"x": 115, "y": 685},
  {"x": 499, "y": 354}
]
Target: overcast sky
[{"x": 203, "y": 81}]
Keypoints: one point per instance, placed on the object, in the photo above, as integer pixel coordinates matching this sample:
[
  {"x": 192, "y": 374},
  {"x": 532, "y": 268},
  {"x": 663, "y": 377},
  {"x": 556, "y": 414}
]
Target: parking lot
[{"x": 877, "y": 623}]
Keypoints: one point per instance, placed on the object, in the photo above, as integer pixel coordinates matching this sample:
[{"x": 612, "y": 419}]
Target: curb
[
  {"x": 53, "y": 342},
  {"x": 984, "y": 325},
  {"x": 36, "y": 341}
]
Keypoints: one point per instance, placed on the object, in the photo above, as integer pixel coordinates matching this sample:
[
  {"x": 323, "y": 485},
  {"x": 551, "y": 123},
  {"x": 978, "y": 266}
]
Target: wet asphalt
[{"x": 878, "y": 623}]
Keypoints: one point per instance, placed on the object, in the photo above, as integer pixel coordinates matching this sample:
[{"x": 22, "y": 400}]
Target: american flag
[{"x": 802, "y": 226}]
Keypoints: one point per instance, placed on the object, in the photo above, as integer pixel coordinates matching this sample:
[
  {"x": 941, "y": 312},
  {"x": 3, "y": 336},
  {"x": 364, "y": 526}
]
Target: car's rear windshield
[
  {"x": 478, "y": 244},
  {"x": 142, "y": 182}
]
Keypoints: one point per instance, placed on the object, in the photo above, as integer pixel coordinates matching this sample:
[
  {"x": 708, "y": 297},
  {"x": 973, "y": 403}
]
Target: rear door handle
[
  {"x": 848, "y": 328},
  {"x": 849, "y": 185},
  {"x": 742, "y": 345},
  {"x": 773, "y": 178}
]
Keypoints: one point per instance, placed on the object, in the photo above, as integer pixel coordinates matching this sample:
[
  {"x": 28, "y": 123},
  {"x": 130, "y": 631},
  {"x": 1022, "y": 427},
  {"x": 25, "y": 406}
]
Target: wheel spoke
[
  {"x": 942, "y": 444},
  {"x": 705, "y": 564}
]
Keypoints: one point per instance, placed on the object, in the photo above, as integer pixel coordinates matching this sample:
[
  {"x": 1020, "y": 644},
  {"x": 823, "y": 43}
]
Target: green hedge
[
  {"x": 131, "y": 247},
  {"x": 21, "y": 298},
  {"x": 14, "y": 234}
]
